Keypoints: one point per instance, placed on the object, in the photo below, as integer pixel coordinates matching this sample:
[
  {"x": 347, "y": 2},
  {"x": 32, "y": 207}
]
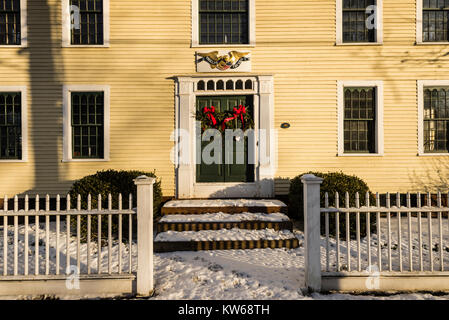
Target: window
[
  {"x": 10, "y": 125},
  {"x": 86, "y": 123},
  {"x": 359, "y": 123},
  {"x": 354, "y": 21},
  {"x": 436, "y": 119},
  {"x": 360, "y": 118},
  {"x": 359, "y": 21},
  {"x": 85, "y": 23},
  {"x": 435, "y": 20},
  {"x": 90, "y": 29},
  {"x": 224, "y": 21},
  {"x": 10, "y": 22}
]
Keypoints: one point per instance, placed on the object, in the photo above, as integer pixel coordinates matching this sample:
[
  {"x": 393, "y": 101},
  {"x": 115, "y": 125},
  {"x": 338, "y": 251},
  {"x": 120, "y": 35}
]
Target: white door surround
[{"x": 186, "y": 91}]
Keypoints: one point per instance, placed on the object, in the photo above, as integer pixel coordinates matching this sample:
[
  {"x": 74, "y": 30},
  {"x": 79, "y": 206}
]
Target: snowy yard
[{"x": 219, "y": 275}]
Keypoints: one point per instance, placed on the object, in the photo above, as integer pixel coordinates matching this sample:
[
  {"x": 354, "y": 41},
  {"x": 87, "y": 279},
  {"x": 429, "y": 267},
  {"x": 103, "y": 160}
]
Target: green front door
[{"x": 226, "y": 172}]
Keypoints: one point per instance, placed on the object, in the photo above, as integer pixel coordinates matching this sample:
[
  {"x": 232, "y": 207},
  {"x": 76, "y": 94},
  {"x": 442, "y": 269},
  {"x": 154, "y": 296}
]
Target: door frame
[{"x": 186, "y": 91}]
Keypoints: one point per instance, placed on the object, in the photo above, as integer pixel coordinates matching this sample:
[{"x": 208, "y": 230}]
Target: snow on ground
[
  {"x": 224, "y": 203},
  {"x": 225, "y": 217},
  {"x": 228, "y": 274}
]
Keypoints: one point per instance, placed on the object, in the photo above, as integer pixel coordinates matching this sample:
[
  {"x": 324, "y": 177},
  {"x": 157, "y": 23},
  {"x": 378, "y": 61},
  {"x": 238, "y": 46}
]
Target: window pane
[
  {"x": 90, "y": 29},
  {"x": 355, "y": 20},
  {"x": 435, "y": 20},
  {"x": 10, "y": 125},
  {"x": 87, "y": 124},
  {"x": 223, "y": 21},
  {"x": 436, "y": 119},
  {"x": 359, "y": 120},
  {"x": 10, "y": 22}
]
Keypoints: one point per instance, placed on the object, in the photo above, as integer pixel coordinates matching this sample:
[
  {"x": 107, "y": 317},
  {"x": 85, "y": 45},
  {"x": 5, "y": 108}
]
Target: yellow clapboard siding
[{"x": 150, "y": 43}]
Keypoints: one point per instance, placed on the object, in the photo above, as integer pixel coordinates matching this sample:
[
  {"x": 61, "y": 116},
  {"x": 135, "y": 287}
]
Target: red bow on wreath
[
  {"x": 209, "y": 112},
  {"x": 237, "y": 112}
]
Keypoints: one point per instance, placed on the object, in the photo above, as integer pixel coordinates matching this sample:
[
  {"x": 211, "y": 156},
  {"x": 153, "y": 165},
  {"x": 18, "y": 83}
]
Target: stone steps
[
  {"x": 167, "y": 246},
  {"x": 194, "y": 225},
  {"x": 225, "y": 206},
  {"x": 198, "y": 226}
]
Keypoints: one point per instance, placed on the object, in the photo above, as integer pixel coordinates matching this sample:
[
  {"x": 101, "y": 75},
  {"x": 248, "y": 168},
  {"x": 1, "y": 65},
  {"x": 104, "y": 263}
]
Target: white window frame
[
  {"x": 339, "y": 26},
  {"x": 421, "y": 84},
  {"x": 66, "y": 23},
  {"x": 379, "y": 143},
  {"x": 24, "y": 121},
  {"x": 196, "y": 30},
  {"x": 67, "y": 115},
  {"x": 419, "y": 27},
  {"x": 23, "y": 28}
]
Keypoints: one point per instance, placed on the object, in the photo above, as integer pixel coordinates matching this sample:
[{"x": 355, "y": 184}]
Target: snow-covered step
[
  {"x": 230, "y": 206},
  {"x": 224, "y": 239},
  {"x": 221, "y": 220}
]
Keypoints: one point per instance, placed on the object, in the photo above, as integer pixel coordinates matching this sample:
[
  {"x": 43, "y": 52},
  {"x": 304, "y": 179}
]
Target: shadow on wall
[
  {"x": 433, "y": 177},
  {"x": 45, "y": 91}
]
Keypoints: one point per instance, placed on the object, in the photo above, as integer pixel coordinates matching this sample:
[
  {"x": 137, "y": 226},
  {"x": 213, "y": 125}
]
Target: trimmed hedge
[
  {"x": 333, "y": 182},
  {"x": 113, "y": 182}
]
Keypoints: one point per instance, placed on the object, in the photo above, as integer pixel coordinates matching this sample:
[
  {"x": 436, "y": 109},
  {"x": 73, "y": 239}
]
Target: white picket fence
[
  {"x": 406, "y": 250},
  {"x": 44, "y": 251}
]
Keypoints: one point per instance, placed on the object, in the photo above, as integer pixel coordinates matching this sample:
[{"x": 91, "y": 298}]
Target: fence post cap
[
  {"x": 311, "y": 178},
  {"x": 144, "y": 180}
]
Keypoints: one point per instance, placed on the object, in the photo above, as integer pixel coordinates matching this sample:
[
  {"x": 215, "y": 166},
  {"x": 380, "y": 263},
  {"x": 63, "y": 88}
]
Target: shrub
[
  {"x": 333, "y": 182},
  {"x": 111, "y": 182}
]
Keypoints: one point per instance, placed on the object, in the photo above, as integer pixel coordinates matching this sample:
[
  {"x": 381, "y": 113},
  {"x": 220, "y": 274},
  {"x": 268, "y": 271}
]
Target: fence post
[
  {"x": 145, "y": 284},
  {"x": 312, "y": 231}
]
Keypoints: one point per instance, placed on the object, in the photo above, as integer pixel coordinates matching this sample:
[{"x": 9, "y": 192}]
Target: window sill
[
  {"x": 13, "y": 161},
  {"x": 86, "y": 46},
  {"x": 445, "y": 43},
  {"x": 359, "y": 44},
  {"x": 13, "y": 46},
  {"x": 360, "y": 155},
  {"x": 433, "y": 154},
  {"x": 85, "y": 160},
  {"x": 213, "y": 46}
]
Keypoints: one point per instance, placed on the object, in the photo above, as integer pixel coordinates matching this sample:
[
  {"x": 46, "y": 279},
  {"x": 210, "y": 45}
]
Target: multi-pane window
[
  {"x": 436, "y": 120},
  {"x": 90, "y": 28},
  {"x": 435, "y": 20},
  {"x": 223, "y": 21},
  {"x": 10, "y": 125},
  {"x": 10, "y": 22},
  {"x": 87, "y": 125},
  {"x": 359, "y": 120},
  {"x": 355, "y": 17}
]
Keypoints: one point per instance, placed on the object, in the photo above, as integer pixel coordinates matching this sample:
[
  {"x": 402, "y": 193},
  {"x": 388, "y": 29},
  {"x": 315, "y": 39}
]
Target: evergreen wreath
[{"x": 222, "y": 120}]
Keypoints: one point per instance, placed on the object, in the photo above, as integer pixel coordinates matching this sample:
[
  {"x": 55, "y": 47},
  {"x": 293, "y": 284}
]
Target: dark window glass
[
  {"x": 354, "y": 21},
  {"x": 359, "y": 120},
  {"x": 90, "y": 29},
  {"x": 87, "y": 125},
  {"x": 436, "y": 120},
  {"x": 10, "y": 125},
  {"x": 10, "y": 22},
  {"x": 435, "y": 20},
  {"x": 223, "y": 22}
]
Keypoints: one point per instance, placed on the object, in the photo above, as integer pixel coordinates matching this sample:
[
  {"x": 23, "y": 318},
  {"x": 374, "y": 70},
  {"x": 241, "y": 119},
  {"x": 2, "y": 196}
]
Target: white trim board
[
  {"x": 341, "y": 84},
  {"x": 421, "y": 84},
  {"x": 67, "y": 132},
  {"x": 185, "y": 149},
  {"x": 24, "y": 121},
  {"x": 339, "y": 25},
  {"x": 23, "y": 27},
  {"x": 66, "y": 22},
  {"x": 195, "y": 28}
]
